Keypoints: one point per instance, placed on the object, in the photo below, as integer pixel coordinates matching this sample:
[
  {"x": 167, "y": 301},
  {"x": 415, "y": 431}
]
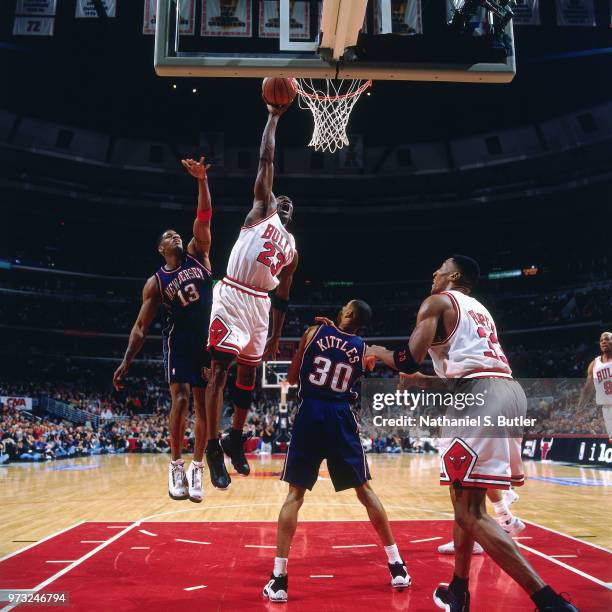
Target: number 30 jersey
[
  {"x": 186, "y": 293},
  {"x": 472, "y": 349},
  {"x": 332, "y": 363},
  {"x": 262, "y": 250}
]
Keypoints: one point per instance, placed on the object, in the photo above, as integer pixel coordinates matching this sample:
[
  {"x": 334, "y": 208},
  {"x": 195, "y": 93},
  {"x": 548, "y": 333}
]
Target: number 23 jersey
[
  {"x": 186, "y": 293},
  {"x": 262, "y": 250},
  {"x": 472, "y": 349}
]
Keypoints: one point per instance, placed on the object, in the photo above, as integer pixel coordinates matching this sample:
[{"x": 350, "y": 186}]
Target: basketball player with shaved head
[
  {"x": 599, "y": 380},
  {"x": 461, "y": 337},
  {"x": 259, "y": 276},
  {"x": 183, "y": 286},
  {"x": 330, "y": 359}
]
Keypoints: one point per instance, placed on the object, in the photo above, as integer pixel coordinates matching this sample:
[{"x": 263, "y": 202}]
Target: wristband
[
  {"x": 204, "y": 215},
  {"x": 279, "y": 303},
  {"x": 404, "y": 361}
]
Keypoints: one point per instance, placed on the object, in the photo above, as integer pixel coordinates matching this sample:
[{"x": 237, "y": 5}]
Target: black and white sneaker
[
  {"x": 560, "y": 605},
  {"x": 277, "y": 589},
  {"x": 177, "y": 481},
  {"x": 234, "y": 449},
  {"x": 447, "y": 600},
  {"x": 400, "y": 578},
  {"x": 219, "y": 477}
]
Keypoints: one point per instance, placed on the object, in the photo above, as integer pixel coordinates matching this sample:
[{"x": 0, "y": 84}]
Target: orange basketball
[{"x": 278, "y": 91}]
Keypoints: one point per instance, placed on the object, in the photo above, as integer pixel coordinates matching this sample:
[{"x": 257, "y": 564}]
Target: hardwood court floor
[{"x": 40, "y": 499}]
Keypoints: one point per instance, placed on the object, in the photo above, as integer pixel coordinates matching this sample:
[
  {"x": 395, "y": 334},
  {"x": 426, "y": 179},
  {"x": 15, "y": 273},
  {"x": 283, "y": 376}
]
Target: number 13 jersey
[
  {"x": 262, "y": 250},
  {"x": 472, "y": 348}
]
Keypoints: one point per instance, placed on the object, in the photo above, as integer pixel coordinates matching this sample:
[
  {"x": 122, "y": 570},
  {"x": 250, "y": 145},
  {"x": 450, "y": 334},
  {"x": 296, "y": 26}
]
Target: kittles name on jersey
[
  {"x": 280, "y": 242},
  {"x": 184, "y": 275},
  {"x": 333, "y": 342}
]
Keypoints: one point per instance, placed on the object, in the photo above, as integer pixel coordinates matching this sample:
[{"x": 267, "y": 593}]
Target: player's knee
[
  {"x": 241, "y": 397},
  {"x": 218, "y": 377},
  {"x": 295, "y": 495},
  {"x": 180, "y": 401},
  {"x": 246, "y": 377}
]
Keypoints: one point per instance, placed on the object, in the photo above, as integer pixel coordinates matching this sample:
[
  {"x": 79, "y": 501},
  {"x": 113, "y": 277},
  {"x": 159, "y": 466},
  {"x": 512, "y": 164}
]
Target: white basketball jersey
[
  {"x": 602, "y": 379},
  {"x": 472, "y": 349},
  {"x": 262, "y": 250}
]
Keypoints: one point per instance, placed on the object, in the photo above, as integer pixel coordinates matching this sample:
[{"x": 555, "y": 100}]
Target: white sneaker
[
  {"x": 177, "y": 481},
  {"x": 194, "y": 480},
  {"x": 512, "y": 527},
  {"x": 449, "y": 549},
  {"x": 510, "y": 497}
]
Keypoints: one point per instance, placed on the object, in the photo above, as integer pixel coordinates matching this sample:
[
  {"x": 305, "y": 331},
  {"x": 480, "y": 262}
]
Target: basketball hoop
[{"x": 330, "y": 103}]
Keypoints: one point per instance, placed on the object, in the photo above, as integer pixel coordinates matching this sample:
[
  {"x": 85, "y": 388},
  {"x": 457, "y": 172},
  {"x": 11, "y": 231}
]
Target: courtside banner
[
  {"x": 36, "y": 7},
  {"x": 406, "y": 17},
  {"x": 13, "y": 402},
  {"x": 33, "y": 26},
  {"x": 187, "y": 25},
  {"x": 486, "y": 406},
  {"x": 87, "y": 8},
  {"x": 232, "y": 18},
  {"x": 576, "y": 13},
  {"x": 526, "y": 12},
  {"x": 269, "y": 19}
]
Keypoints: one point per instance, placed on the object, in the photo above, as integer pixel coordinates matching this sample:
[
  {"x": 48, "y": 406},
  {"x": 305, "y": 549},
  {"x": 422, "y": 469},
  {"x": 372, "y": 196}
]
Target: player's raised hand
[
  {"x": 277, "y": 109},
  {"x": 119, "y": 375},
  {"x": 196, "y": 169}
]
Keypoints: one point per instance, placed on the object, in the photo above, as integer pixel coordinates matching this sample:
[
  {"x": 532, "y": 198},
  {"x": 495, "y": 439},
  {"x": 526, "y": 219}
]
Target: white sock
[
  {"x": 280, "y": 566},
  {"x": 197, "y": 463},
  {"x": 178, "y": 462},
  {"x": 502, "y": 512},
  {"x": 393, "y": 554}
]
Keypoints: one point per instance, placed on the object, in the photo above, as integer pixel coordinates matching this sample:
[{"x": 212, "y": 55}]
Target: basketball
[{"x": 278, "y": 91}]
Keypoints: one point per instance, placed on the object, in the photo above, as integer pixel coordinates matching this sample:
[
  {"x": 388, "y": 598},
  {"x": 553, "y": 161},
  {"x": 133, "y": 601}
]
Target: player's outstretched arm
[
  {"x": 264, "y": 201},
  {"x": 199, "y": 245},
  {"x": 150, "y": 303},
  {"x": 430, "y": 314},
  {"x": 588, "y": 390},
  {"x": 280, "y": 303},
  {"x": 294, "y": 369}
]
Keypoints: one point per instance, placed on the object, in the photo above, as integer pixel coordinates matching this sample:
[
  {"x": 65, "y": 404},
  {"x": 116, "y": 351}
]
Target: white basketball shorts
[{"x": 239, "y": 321}]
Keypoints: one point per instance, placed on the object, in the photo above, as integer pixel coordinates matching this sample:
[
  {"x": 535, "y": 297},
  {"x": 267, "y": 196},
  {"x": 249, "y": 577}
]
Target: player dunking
[
  {"x": 263, "y": 259},
  {"x": 183, "y": 286},
  {"x": 329, "y": 361},
  {"x": 599, "y": 380},
  {"x": 460, "y": 335}
]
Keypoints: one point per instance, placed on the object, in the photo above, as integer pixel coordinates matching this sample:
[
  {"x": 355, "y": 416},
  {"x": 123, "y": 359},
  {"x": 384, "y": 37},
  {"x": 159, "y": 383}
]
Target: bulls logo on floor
[
  {"x": 218, "y": 332},
  {"x": 457, "y": 462}
]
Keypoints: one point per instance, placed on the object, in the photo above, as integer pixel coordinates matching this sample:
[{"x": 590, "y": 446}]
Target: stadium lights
[{"x": 500, "y": 9}]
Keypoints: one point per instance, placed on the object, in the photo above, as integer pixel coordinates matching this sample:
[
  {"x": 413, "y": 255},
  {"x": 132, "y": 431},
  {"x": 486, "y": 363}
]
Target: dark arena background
[{"x": 515, "y": 175}]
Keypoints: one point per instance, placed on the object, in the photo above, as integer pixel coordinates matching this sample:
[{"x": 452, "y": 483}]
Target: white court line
[
  {"x": 74, "y": 564},
  {"x": 70, "y": 561},
  {"x": 322, "y": 576},
  {"x": 606, "y": 585},
  {"x": 257, "y": 546},
  {"x": 569, "y": 536},
  {"x": 190, "y": 541},
  {"x": 140, "y": 547},
  {"x": 564, "y": 556},
  {"x": 147, "y": 533},
  {"x": 354, "y": 546},
  {"x": 426, "y": 540},
  {"x": 92, "y": 541},
  {"x": 193, "y": 588},
  {"x": 53, "y": 535}
]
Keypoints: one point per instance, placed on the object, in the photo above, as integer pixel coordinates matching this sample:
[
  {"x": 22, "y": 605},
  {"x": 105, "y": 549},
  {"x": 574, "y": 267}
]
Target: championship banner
[
  {"x": 478, "y": 21},
  {"x": 575, "y": 13},
  {"x": 187, "y": 26},
  {"x": 33, "y": 26},
  {"x": 36, "y": 7},
  {"x": 227, "y": 18},
  {"x": 526, "y": 12},
  {"x": 86, "y": 8},
  {"x": 269, "y": 19},
  {"x": 406, "y": 17},
  {"x": 16, "y": 403}
]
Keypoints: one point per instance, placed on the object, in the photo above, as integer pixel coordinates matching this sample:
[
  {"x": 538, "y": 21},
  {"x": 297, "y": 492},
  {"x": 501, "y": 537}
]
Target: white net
[{"x": 331, "y": 103}]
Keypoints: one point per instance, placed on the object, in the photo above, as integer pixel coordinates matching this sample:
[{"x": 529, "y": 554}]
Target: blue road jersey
[
  {"x": 186, "y": 293},
  {"x": 333, "y": 362}
]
